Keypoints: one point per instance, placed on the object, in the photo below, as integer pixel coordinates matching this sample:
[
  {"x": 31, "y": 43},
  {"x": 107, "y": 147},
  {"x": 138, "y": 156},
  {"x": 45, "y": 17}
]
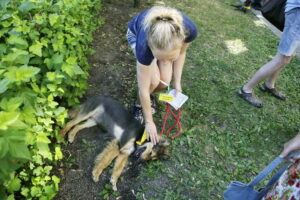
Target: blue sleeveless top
[{"x": 143, "y": 52}]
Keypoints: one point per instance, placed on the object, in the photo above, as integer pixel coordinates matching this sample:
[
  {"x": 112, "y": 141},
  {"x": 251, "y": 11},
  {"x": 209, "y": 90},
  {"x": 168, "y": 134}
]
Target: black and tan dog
[{"x": 123, "y": 128}]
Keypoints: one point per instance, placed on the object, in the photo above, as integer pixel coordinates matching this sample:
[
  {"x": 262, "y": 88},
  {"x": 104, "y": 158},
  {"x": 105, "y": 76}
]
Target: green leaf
[
  {"x": 26, "y": 6},
  {"x": 3, "y": 146},
  {"x": 36, "y": 61},
  {"x": 50, "y": 191},
  {"x": 58, "y": 154},
  {"x": 36, "y": 191},
  {"x": 59, "y": 110},
  {"x": 51, "y": 76},
  {"x": 11, "y": 197},
  {"x": 11, "y": 104},
  {"x": 6, "y": 15},
  {"x": 3, "y": 48},
  {"x": 7, "y": 118},
  {"x": 38, "y": 171},
  {"x": 52, "y": 87},
  {"x": 71, "y": 60},
  {"x": 42, "y": 138},
  {"x": 78, "y": 70},
  {"x": 69, "y": 69},
  {"x": 19, "y": 125},
  {"x": 28, "y": 115},
  {"x": 17, "y": 41},
  {"x": 23, "y": 73},
  {"x": 18, "y": 149},
  {"x": 29, "y": 96},
  {"x": 30, "y": 138},
  {"x": 43, "y": 150},
  {"x": 3, "y": 85},
  {"x": 3, "y": 4},
  {"x": 18, "y": 56},
  {"x": 56, "y": 181},
  {"x": 14, "y": 185},
  {"x": 36, "y": 48},
  {"x": 25, "y": 191},
  {"x": 53, "y": 18},
  {"x": 57, "y": 60}
]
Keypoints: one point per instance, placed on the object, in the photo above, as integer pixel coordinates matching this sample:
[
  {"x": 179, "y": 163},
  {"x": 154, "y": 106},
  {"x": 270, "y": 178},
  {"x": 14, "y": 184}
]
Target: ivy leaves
[
  {"x": 4, "y": 85},
  {"x": 43, "y": 68},
  {"x": 17, "y": 41},
  {"x": 21, "y": 74},
  {"x": 36, "y": 48},
  {"x": 26, "y": 6},
  {"x": 71, "y": 67},
  {"x": 3, "y": 4}
]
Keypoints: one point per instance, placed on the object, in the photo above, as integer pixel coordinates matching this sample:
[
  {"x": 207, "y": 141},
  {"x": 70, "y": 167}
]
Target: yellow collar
[{"x": 143, "y": 139}]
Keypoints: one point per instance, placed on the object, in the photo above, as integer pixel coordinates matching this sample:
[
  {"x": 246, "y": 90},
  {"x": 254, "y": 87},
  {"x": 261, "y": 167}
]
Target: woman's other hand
[{"x": 290, "y": 146}]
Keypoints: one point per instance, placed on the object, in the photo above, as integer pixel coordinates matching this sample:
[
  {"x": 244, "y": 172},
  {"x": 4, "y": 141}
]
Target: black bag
[{"x": 273, "y": 11}]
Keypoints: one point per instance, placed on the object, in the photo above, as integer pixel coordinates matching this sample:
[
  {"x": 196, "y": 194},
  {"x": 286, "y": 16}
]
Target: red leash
[{"x": 177, "y": 122}]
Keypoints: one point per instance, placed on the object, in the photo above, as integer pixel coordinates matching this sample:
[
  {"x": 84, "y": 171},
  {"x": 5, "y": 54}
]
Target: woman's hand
[
  {"x": 290, "y": 146},
  {"x": 152, "y": 132}
]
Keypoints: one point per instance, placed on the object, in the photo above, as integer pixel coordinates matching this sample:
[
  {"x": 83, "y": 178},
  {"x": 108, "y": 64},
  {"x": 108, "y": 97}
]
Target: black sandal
[
  {"x": 249, "y": 97},
  {"x": 273, "y": 91}
]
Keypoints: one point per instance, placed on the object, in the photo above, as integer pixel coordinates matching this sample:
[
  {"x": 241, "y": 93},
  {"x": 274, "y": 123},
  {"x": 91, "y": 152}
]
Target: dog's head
[{"x": 148, "y": 151}]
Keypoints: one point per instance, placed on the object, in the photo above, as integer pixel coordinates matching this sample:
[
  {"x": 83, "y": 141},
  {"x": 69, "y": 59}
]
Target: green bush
[{"x": 43, "y": 70}]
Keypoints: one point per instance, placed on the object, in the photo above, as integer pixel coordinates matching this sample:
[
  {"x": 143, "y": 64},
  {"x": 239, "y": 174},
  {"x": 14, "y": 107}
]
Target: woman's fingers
[
  {"x": 154, "y": 138},
  {"x": 284, "y": 153},
  {"x": 152, "y": 132}
]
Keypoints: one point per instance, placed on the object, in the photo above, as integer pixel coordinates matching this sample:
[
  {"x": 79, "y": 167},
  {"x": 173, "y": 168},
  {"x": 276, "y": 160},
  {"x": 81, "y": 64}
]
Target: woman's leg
[
  {"x": 162, "y": 75},
  {"x": 270, "y": 70}
]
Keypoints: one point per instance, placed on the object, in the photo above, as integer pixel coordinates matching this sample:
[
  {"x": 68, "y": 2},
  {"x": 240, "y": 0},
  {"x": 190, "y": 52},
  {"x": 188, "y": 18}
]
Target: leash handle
[
  {"x": 272, "y": 166},
  {"x": 177, "y": 122}
]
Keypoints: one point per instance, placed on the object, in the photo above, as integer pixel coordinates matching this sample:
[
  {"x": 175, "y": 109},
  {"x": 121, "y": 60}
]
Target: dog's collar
[{"x": 143, "y": 139}]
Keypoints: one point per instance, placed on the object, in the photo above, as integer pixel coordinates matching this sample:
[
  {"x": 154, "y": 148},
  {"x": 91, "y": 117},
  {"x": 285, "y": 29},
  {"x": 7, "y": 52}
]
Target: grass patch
[{"x": 224, "y": 138}]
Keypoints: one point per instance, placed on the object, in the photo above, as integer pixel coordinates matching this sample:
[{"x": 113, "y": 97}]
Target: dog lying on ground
[{"x": 123, "y": 128}]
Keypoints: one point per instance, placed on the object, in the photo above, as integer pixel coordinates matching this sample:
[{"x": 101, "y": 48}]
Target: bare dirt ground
[{"x": 112, "y": 74}]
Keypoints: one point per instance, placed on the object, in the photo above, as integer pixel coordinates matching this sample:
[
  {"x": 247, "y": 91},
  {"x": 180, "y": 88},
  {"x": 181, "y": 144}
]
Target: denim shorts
[
  {"x": 290, "y": 38},
  {"x": 131, "y": 38}
]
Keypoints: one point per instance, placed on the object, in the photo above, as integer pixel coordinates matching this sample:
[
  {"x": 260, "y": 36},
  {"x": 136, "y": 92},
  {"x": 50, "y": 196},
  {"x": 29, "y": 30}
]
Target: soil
[{"x": 112, "y": 73}]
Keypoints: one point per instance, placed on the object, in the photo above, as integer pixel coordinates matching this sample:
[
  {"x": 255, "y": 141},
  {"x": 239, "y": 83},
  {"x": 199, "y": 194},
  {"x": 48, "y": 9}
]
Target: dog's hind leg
[
  {"x": 87, "y": 124},
  {"x": 70, "y": 125},
  {"x": 118, "y": 168},
  {"x": 79, "y": 118},
  {"x": 104, "y": 159}
]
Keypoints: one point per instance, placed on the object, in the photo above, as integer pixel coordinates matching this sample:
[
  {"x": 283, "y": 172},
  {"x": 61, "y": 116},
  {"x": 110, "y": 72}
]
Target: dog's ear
[
  {"x": 164, "y": 154},
  {"x": 164, "y": 142},
  {"x": 163, "y": 151}
]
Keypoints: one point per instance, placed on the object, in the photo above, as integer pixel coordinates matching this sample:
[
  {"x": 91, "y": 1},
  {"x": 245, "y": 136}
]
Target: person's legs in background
[{"x": 290, "y": 40}]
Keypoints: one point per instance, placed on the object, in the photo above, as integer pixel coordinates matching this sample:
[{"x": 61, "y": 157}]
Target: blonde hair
[{"x": 164, "y": 27}]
